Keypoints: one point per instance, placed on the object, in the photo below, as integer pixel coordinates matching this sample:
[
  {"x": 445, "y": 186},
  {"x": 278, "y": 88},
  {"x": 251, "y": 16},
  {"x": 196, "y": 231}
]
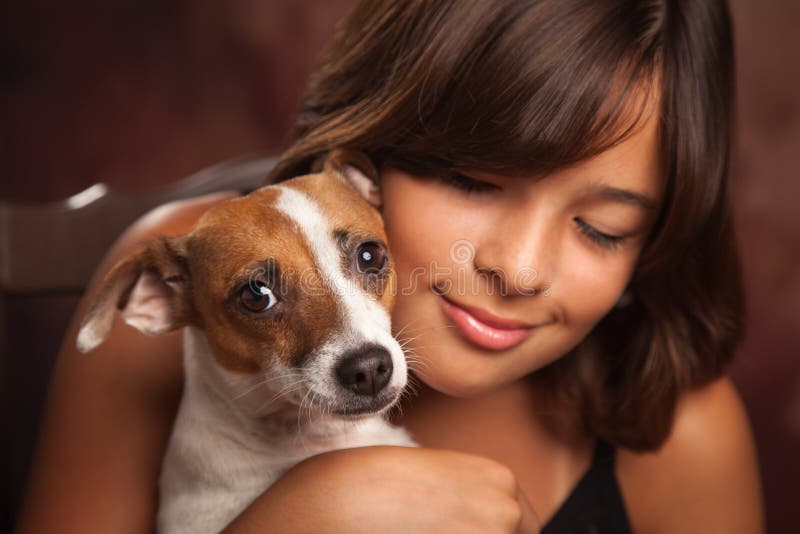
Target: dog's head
[{"x": 291, "y": 285}]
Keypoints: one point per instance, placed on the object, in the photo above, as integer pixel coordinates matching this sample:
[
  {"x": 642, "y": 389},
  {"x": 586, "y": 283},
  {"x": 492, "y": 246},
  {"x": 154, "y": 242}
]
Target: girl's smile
[{"x": 484, "y": 329}]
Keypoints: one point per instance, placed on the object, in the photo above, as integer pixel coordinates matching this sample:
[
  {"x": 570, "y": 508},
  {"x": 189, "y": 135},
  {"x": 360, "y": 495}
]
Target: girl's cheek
[
  {"x": 421, "y": 228},
  {"x": 592, "y": 283}
]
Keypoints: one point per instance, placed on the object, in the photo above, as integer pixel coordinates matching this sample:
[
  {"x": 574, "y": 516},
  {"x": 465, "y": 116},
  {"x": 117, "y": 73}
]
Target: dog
[{"x": 284, "y": 297}]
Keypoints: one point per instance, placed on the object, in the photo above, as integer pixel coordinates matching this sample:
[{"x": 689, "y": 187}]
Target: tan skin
[{"x": 487, "y": 463}]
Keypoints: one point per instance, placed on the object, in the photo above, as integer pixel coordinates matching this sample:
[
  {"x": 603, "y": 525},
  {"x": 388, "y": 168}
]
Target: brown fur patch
[{"x": 229, "y": 246}]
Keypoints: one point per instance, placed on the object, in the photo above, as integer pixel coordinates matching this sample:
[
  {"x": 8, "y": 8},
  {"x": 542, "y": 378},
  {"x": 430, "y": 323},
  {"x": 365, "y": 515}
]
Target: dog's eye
[
  {"x": 257, "y": 297},
  {"x": 370, "y": 258}
]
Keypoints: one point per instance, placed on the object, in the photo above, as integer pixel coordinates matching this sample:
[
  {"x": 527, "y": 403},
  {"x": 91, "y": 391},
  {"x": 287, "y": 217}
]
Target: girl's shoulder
[{"x": 704, "y": 478}]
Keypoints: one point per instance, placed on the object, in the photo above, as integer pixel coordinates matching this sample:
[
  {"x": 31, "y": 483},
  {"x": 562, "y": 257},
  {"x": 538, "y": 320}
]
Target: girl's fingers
[{"x": 529, "y": 524}]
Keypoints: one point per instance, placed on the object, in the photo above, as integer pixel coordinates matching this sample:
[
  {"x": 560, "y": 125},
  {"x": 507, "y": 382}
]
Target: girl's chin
[
  {"x": 460, "y": 383},
  {"x": 474, "y": 373}
]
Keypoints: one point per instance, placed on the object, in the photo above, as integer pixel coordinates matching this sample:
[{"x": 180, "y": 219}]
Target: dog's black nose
[{"x": 365, "y": 371}]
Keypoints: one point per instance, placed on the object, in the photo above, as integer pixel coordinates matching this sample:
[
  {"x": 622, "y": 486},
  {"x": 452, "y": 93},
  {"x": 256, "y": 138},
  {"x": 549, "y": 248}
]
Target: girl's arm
[
  {"x": 109, "y": 412},
  {"x": 392, "y": 490},
  {"x": 705, "y": 477}
]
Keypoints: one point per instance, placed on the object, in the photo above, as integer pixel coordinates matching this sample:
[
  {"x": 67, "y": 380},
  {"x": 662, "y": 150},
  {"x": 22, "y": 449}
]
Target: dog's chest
[
  {"x": 209, "y": 475},
  {"x": 214, "y": 467}
]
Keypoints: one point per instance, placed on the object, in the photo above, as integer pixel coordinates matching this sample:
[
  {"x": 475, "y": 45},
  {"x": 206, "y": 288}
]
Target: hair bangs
[{"x": 565, "y": 93}]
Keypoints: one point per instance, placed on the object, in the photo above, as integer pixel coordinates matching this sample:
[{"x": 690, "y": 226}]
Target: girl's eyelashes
[
  {"x": 467, "y": 184},
  {"x": 598, "y": 237}
]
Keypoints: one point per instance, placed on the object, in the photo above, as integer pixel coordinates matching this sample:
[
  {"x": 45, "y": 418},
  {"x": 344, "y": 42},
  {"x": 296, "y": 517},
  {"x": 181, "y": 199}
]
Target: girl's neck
[
  {"x": 430, "y": 414},
  {"x": 519, "y": 391}
]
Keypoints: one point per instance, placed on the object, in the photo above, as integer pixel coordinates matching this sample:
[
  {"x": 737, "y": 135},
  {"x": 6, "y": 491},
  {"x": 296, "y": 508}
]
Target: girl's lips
[{"x": 500, "y": 335}]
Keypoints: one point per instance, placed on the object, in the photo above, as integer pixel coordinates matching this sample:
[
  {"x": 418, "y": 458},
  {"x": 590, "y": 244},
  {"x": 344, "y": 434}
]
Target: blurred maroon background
[{"x": 138, "y": 93}]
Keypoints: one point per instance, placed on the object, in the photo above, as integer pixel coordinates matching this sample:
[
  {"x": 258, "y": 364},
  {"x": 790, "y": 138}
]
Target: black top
[{"x": 595, "y": 505}]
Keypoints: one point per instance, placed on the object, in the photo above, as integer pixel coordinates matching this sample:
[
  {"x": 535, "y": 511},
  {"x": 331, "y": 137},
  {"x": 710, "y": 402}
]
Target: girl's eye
[
  {"x": 598, "y": 237},
  {"x": 257, "y": 297},
  {"x": 467, "y": 184}
]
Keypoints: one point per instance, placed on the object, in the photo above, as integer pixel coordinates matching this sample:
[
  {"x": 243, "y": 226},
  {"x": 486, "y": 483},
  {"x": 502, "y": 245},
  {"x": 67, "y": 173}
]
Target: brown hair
[{"x": 530, "y": 86}]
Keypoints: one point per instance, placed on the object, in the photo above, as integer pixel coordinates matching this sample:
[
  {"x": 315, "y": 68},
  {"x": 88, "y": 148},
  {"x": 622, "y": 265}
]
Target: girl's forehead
[{"x": 629, "y": 174}]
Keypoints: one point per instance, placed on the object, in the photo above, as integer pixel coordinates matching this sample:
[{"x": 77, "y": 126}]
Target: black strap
[{"x": 595, "y": 505}]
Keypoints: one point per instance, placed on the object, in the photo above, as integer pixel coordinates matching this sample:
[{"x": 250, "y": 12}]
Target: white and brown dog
[{"x": 284, "y": 296}]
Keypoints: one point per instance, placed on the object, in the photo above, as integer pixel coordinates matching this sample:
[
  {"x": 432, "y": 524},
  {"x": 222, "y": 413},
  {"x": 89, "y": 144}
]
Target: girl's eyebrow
[{"x": 616, "y": 194}]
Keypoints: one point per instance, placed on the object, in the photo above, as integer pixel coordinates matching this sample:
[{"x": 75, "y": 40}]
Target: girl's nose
[{"x": 516, "y": 261}]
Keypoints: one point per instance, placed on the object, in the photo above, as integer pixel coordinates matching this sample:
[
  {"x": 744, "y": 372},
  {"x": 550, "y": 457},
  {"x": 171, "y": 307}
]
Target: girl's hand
[{"x": 392, "y": 489}]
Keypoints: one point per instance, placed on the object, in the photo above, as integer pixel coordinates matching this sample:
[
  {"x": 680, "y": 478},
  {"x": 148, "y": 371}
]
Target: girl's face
[{"x": 554, "y": 254}]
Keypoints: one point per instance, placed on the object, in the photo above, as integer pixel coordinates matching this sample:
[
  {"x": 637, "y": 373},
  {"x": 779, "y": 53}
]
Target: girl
[{"x": 554, "y": 180}]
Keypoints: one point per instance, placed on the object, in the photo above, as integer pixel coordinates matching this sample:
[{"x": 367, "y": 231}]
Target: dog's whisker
[
  {"x": 298, "y": 431},
  {"x": 264, "y": 382},
  {"x": 285, "y": 387},
  {"x": 400, "y": 335},
  {"x": 311, "y": 406},
  {"x": 410, "y": 392},
  {"x": 417, "y": 361},
  {"x": 412, "y": 389},
  {"x": 407, "y": 325},
  {"x": 267, "y": 402},
  {"x": 327, "y": 407},
  {"x": 405, "y": 342},
  {"x": 285, "y": 391}
]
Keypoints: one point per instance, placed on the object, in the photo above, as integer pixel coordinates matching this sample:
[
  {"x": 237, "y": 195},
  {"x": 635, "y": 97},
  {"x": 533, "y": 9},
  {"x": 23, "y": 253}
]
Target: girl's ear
[
  {"x": 148, "y": 286},
  {"x": 357, "y": 169}
]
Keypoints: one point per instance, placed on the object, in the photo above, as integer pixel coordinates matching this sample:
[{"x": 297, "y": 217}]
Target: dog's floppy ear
[
  {"x": 148, "y": 286},
  {"x": 357, "y": 169}
]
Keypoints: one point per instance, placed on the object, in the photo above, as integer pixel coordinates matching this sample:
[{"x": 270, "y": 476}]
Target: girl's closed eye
[
  {"x": 467, "y": 184},
  {"x": 599, "y": 238}
]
